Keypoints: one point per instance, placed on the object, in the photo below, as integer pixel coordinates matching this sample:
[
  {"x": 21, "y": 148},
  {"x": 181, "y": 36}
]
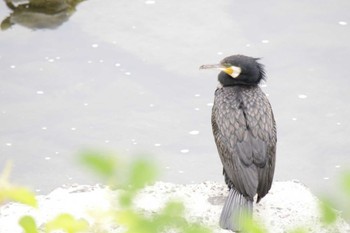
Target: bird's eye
[{"x": 226, "y": 64}]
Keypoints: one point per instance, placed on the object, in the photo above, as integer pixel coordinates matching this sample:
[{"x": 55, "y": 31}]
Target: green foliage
[
  {"x": 28, "y": 224},
  {"x": 345, "y": 183},
  {"x": 328, "y": 214},
  {"x": 130, "y": 179},
  {"x": 68, "y": 223},
  {"x": 299, "y": 230},
  {"x": 171, "y": 216},
  {"x": 142, "y": 172},
  {"x": 252, "y": 226},
  {"x": 102, "y": 164},
  {"x": 18, "y": 194},
  {"x": 9, "y": 192}
]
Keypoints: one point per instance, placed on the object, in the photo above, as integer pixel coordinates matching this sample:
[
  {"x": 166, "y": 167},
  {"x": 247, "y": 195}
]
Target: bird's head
[{"x": 238, "y": 70}]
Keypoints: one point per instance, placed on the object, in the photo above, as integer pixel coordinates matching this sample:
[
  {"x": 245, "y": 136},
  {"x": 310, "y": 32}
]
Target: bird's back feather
[{"x": 245, "y": 134}]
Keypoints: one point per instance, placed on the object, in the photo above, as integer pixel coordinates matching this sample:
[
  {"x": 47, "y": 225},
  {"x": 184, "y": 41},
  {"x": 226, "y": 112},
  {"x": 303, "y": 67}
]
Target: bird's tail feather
[{"x": 236, "y": 209}]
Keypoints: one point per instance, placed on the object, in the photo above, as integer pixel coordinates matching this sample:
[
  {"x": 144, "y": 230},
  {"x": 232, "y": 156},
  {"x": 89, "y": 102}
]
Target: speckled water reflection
[
  {"x": 38, "y": 14},
  {"x": 123, "y": 76}
]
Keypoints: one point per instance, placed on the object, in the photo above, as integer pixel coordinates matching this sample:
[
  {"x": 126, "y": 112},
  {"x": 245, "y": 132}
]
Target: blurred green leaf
[
  {"x": 28, "y": 224},
  {"x": 128, "y": 218},
  {"x": 142, "y": 172},
  {"x": 250, "y": 225},
  {"x": 4, "y": 177},
  {"x": 67, "y": 223},
  {"x": 10, "y": 192},
  {"x": 171, "y": 215},
  {"x": 345, "y": 183},
  {"x": 328, "y": 214},
  {"x": 173, "y": 209},
  {"x": 126, "y": 198},
  {"x": 196, "y": 228},
  {"x": 299, "y": 230},
  {"x": 18, "y": 194},
  {"x": 135, "y": 222},
  {"x": 102, "y": 164}
]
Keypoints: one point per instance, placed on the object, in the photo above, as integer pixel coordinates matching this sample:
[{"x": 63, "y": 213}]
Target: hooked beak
[
  {"x": 233, "y": 71},
  {"x": 213, "y": 66}
]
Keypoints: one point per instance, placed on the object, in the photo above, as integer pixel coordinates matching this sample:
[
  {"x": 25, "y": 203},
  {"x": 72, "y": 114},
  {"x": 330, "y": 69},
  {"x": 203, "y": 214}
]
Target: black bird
[{"x": 244, "y": 129}]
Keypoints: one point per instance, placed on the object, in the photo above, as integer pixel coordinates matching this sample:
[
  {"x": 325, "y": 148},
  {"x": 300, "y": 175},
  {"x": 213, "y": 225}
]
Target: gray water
[{"x": 123, "y": 76}]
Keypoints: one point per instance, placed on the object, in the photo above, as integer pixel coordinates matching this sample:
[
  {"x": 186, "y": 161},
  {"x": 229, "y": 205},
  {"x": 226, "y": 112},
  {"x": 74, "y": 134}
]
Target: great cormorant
[{"x": 245, "y": 135}]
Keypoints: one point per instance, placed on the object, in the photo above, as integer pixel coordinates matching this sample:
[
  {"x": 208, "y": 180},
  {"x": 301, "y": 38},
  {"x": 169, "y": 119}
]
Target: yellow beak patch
[{"x": 233, "y": 71}]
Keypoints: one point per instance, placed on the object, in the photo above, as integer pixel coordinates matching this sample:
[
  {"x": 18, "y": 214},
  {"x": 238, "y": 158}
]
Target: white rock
[{"x": 288, "y": 205}]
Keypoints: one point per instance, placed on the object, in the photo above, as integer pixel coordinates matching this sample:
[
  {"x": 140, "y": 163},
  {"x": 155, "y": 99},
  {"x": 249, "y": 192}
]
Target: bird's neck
[{"x": 225, "y": 80}]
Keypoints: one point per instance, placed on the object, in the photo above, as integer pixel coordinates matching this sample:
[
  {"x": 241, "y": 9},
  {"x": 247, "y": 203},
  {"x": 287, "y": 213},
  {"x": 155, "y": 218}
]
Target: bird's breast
[{"x": 244, "y": 108}]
